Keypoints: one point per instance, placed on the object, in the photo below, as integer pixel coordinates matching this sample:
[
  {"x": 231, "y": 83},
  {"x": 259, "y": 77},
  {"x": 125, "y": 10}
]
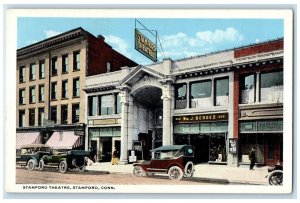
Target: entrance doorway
[{"x": 106, "y": 148}]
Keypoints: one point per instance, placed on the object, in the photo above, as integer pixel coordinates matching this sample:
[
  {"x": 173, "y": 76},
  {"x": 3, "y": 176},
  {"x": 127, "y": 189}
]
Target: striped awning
[
  {"x": 27, "y": 138},
  {"x": 64, "y": 140}
]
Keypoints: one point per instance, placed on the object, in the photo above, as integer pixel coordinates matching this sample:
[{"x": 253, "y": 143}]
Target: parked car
[
  {"x": 31, "y": 155},
  {"x": 73, "y": 159},
  {"x": 174, "y": 160}
]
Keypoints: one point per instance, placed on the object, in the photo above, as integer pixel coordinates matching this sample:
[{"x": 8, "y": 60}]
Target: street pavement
[{"x": 206, "y": 172}]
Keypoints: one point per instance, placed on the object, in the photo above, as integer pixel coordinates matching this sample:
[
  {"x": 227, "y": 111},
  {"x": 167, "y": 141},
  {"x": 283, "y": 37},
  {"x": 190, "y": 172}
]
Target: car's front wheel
[
  {"x": 63, "y": 166},
  {"x": 189, "y": 170},
  {"x": 41, "y": 165},
  {"x": 31, "y": 165},
  {"x": 175, "y": 173},
  {"x": 138, "y": 171}
]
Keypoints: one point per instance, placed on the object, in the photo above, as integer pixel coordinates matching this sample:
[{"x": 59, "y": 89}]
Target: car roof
[
  {"x": 35, "y": 145},
  {"x": 168, "y": 148}
]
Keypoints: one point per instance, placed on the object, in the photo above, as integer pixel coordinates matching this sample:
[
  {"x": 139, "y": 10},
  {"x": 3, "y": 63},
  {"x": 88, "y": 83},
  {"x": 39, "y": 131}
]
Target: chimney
[{"x": 101, "y": 37}]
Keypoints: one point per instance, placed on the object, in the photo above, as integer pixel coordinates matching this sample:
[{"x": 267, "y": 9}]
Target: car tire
[
  {"x": 41, "y": 165},
  {"x": 31, "y": 165},
  {"x": 63, "y": 166},
  {"x": 175, "y": 173},
  {"x": 138, "y": 171},
  {"x": 189, "y": 169},
  {"x": 276, "y": 178}
]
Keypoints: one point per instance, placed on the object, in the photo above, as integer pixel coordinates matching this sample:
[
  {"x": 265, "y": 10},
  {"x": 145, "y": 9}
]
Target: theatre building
[
  {"x": 221, "y": 103},
  {"x": 50, "y": 77}
]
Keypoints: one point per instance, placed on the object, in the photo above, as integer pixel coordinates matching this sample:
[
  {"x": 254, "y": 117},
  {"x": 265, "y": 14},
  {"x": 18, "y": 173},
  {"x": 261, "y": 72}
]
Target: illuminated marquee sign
[
  {"x": 201, "y": 118},
  {"x": 145, "y": 46}
]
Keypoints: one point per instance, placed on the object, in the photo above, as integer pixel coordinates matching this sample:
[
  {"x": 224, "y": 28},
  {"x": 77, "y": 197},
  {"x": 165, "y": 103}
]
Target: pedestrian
[
  {"x": 115, "y": 157},
  {"x": 252, "y": 158}
]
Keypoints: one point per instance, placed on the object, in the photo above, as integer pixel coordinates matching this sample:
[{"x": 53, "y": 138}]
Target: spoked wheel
[
  {"x": 41, "y": 165},
  {"x": 138, "y": 171},
  {"x": 31, "y": 165},
  {"x": 189, "y": 170},
  {"x": 175, "y": 173},
  {"x": 63, "y": 166},
  {"x": 276, "y": 178}
]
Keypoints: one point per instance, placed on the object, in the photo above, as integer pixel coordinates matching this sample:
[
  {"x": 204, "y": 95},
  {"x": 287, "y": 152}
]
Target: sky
[{"x": 179, "y": 38}]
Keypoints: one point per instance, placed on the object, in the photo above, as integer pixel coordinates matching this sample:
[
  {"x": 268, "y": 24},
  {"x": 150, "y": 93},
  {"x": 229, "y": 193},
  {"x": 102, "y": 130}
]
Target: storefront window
[
  {"x": 271, "y": 87},
  {"x": 92, "y": 105},
  {"x": 118, "y": 104},
  {"x": 180, "y": 96},
  {"x": 107, "y": 105},
  {"x": 217, "y": 148},
  {"x": 247, "y": 141},
  {"x": 247, "y": 89},
  {"x": 201, "y": 94},
  {"x": 222, "y": 92}
]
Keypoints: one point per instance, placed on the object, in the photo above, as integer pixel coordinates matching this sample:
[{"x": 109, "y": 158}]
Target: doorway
[{"x": 106, "y": 148}]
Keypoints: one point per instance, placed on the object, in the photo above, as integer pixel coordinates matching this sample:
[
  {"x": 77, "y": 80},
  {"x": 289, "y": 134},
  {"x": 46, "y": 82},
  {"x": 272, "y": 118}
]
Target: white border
[{"x": 11, "y": 40}]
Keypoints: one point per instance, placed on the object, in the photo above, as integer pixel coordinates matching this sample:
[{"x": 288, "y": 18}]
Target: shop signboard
[
  {"x": 145, "y": 46},
  {"x": 232, "y": 145},
  {"x": 201, "y": 118}
]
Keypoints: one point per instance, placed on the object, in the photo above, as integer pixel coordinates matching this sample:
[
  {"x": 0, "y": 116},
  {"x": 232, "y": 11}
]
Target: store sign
[
  {"x": 145, "y": 46},
  {"x": 201, "y": 118},
  {"x": 105, "y": 121},
  {"x": 232, "y": 145}
]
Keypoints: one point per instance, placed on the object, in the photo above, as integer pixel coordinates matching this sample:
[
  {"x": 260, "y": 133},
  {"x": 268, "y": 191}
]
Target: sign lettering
[
  {"x": 201, "y": 118},
  {"x": 145, "y": 46}
]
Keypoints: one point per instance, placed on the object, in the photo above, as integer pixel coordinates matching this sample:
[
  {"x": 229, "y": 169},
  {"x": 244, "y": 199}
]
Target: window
[
  {"x": 31, "y": 117},
  {"x": 222, "y": 92},
  {"x": 92, "y": 105},
  {"x": 271, "y": 87},
  {"x": 64, "y": 114},
  {"x": 32, "y": 71},
  {"x": 42, "y": 69},
  {"x": 65, "y": 63},
  {"x": 180, "y": 96},
  {"x": 54, "y": 66},
  {"x": 22, "y": 118},
  {"x": 75, "y": 113},
  {"x": 247, "y": 89},
  {"x": 201, "y": 94},
  {"x": 76, "y": 60},
  {"x": 106, "y": 104},
  {"x": 22, "y": 96},
  {"x": 41, "y": 116},
  {"x": 118, "y": 104},
  {"x": 76, "y": 87},
  {"x": 54, "y": 90},
  {"x": 53, "y": 113},
  {"x": 41, "y": 93},
  {"x": 64, "y": 92},
  {"x": 108, "y": 67},
  {"x": 22, "y": 74},
  {"x": 32, "y": 95}
]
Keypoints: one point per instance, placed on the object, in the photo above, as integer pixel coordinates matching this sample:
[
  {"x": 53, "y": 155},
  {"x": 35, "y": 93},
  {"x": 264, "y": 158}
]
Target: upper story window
[
  {"x": 271, "y": 87},
  {"x": 32, "y": 94},
  {"x": 75, "y": 113},
  {"x": 92, "y": 103},
  {"x": 118, "y": 104},
  {"x": 201, "y": 94},
  {"x": 108, "y": 67},
  {"x": 54, "y": 66},
  {"x": 247, "y": 89},
  {"x": 31, "y": 117},
  {"x": 180, "y": 96},
  {"x": 41, "y": 93},
  {"x": 106, "y": 104},
  {"x": 64, "y": 92},
  {"x": 64, "y": 114},
  {"x": 42, "y": 69},
  {"x": 41, "y": 116},
  {"x": 76, "y": 87},
  {"x": 65, "y": 63},
  {"x": 22, "y": 74},
  {"x": 22, "y": 118},
  {"x": 221, "y": 91},
  {"x": 54, "y": 90},
  {"x": 22, "y": 96},
  {"x": 76, "y": 60},
  {"x": 32, "y": 71}
]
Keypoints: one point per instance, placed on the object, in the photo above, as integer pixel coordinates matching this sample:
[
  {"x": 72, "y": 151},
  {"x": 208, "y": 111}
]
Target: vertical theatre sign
[{"x": 145, "y": 46}]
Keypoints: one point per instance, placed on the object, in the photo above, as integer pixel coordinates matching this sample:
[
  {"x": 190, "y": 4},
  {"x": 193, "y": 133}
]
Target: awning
[
  {"x": 27, "y": 138},
  {"x": 64, "y": 140}
]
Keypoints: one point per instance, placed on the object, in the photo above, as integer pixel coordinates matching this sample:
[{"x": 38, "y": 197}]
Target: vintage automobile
[
  {"x": 73, "y": 159},
  {"x": 174, "y": 160},
  {"x": 31, "y": 154}
]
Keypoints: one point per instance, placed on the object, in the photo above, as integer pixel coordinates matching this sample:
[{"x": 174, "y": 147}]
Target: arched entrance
[{"x": 148, "y": 119}]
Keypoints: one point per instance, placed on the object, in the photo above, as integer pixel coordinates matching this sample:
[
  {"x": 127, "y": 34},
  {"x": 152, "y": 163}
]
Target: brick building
[{"x": 50, "y": 77}]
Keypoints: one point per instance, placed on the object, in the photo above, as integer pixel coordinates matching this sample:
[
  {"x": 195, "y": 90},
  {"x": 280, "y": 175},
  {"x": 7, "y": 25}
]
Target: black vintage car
[
  {"x": 73, "y": 159},
  {"x": 31, "y": 155}
]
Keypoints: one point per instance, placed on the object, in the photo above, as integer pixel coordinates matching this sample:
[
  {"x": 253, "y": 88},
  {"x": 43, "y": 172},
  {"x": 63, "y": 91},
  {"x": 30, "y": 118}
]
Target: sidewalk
[{"x": 205, "y": 172}]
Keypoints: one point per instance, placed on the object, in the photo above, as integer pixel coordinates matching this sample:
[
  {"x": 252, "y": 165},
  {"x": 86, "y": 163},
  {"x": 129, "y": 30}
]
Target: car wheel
[
  {"x": 63, "y": 166},
  {"x": 41, "y": 165},
  {"x": 276, "y": 178},
  {"x": 82, "y": 169},
  {"x": 189, "y": 170},
  {"x": 175, "y": 173},
  {"x": 31, "y": 165},
  {"x": 138, "y": 171}
]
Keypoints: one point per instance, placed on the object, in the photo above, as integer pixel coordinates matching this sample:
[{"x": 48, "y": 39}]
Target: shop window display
[{"x": 217, "y": 148}]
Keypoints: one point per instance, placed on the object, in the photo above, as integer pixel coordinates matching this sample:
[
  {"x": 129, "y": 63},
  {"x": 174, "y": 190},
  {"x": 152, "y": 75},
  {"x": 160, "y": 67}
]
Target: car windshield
[{"x": 168, "y": 154}]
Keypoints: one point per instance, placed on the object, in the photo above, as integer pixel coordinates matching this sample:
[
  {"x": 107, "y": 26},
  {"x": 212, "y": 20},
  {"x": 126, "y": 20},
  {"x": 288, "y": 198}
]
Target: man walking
[{"x": 252, "y": 158}]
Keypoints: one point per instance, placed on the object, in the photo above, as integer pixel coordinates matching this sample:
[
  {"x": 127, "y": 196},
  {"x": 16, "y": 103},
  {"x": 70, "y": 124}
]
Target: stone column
[
  {"x": 124, "y": 125},
  {"x": 130, "y": 122}
]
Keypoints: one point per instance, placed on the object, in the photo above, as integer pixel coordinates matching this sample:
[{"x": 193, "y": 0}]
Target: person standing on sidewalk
[
  {"x": 115, "y": 157},
  {"x": 252, "y": 158}
]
